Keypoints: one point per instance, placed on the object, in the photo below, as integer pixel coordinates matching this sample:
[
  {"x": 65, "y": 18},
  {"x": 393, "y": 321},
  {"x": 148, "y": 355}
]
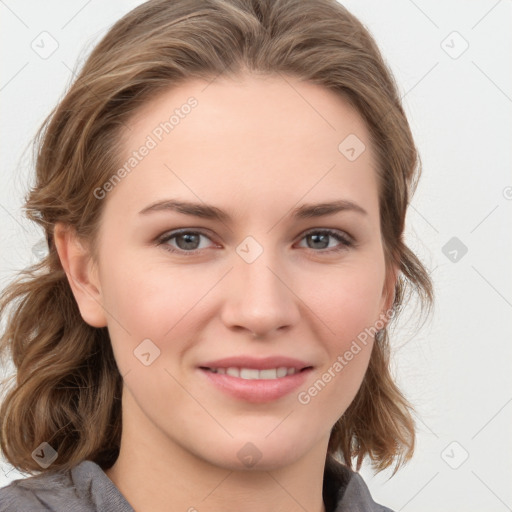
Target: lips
[
  {"x": 253, "y": 373},
  {"x": 256, "y": 379},
  {"x": 272, "y": 362}
]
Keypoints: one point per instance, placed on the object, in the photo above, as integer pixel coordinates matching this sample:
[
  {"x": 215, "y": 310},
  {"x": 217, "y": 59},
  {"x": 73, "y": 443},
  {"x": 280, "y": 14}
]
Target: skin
[{"x": 256, "y": 147}]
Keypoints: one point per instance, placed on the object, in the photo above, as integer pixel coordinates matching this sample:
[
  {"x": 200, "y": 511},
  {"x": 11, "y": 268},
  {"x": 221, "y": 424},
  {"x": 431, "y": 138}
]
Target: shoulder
[
  {"x": 84, "y": 488},
  {"x": 40, "y": 492},
  {"x": 347, "y": 491}
]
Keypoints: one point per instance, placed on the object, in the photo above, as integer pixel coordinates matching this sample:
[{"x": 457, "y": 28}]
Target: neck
[{"x": 154, "y": 473}]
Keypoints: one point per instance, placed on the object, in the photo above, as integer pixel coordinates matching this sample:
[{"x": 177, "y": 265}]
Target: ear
[
  {"x": 388, "y": 291},
  {"x": 82, "y": 274}
]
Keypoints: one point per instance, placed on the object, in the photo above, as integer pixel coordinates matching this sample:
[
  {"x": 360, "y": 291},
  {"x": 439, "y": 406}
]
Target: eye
[
  {"x": 321, "y": 239},
  {"x": 188, "y": 241},
  {"x": 183, "y": 241}
]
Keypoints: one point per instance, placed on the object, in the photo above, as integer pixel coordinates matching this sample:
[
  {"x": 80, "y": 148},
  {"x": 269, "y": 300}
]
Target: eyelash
[{"x": 345, "y": 240}]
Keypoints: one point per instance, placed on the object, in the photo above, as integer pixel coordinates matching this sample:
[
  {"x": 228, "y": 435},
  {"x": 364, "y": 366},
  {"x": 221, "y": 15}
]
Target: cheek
[
  {"x": 349, "y": 312},
  {"x": 151, "y": 296},
  {"x": 347, "y": 300},
  {"x": 153, "y": 302},
  {"x": 348, "y": 304}
]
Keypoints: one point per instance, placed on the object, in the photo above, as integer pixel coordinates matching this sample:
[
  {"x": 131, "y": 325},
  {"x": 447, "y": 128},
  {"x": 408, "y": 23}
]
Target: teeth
[
  {"x": 281, "y": 372},
  {"x": 271, "y": 373},
  {"x": 253, "y": 374},
  {"x": 246, "y": 373},
  {"x": 234, "y": 372}
]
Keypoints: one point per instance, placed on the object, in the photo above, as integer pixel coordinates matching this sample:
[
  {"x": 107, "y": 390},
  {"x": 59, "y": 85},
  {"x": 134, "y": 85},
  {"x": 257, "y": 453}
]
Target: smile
[
  {"x": 255, "y": 374},
  {"x": 256, "y": 385}
]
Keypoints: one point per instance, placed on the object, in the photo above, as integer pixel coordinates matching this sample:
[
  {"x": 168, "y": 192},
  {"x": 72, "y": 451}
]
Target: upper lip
[{"x": 263, "y": 363}]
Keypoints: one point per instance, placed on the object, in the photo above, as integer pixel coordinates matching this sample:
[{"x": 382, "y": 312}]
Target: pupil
[
  {"x": 191, "y": 241},
  {"x": 323, "y": 239}
]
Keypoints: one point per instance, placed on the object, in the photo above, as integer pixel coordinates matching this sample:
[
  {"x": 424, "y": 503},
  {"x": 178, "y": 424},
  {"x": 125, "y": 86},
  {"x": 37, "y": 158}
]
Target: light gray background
[{"x": 457, "y": 369}]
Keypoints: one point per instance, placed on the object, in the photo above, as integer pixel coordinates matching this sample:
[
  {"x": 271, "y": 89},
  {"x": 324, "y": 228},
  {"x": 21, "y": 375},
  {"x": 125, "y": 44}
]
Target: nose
[{"x": 259, "y": 299}]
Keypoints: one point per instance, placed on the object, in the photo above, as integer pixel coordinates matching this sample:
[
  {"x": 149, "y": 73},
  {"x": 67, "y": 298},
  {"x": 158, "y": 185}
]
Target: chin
[{"x": 256, "y": 453}]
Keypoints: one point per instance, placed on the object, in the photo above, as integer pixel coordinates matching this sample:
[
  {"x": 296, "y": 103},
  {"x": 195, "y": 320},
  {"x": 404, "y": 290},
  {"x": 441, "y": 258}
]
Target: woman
[{"x": 224, "y": 190}]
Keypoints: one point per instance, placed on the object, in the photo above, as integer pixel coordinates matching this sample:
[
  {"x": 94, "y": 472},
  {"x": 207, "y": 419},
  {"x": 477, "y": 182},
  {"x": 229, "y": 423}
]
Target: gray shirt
[{"x": 87, "y": 488}]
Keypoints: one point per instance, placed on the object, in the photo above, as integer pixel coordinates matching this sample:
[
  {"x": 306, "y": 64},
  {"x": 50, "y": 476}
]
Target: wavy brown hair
[{"x": 66, "y": 389}]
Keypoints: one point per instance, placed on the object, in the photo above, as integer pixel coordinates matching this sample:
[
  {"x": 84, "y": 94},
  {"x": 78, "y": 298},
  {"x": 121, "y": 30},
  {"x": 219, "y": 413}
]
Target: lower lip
[{"x": 256, "y": 390}]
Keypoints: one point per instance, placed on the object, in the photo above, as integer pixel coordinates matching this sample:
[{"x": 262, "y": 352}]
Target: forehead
[
  {"x": 253, "y": 134},
  {"x": 270, "y": 108}
]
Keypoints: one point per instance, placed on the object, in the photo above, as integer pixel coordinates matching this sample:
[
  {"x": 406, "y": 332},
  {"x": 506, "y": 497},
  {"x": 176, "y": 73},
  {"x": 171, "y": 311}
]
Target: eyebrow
[{"x": 205, "y": 211}]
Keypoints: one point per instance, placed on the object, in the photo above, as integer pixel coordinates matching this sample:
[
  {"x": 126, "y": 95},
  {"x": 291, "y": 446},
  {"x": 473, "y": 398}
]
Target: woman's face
[{"x": 211, "y": 256}]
